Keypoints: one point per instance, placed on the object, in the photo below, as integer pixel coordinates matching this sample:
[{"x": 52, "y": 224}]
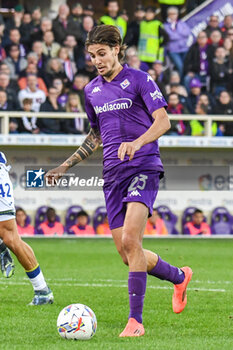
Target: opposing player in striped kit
[{"x": 12, "y": 240}]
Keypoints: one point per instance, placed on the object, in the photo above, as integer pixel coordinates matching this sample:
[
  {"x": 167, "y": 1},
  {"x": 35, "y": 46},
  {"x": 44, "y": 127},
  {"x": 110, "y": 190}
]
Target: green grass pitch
[{"x": 90, "y": 272}]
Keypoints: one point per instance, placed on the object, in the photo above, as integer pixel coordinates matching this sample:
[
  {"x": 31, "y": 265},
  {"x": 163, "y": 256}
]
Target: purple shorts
[{"x": 142, "y": 187}]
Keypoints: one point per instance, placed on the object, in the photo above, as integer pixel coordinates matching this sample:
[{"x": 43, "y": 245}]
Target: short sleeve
[
  {"x": 90, "y": 112},
  {"x": 150, "y": 93}
]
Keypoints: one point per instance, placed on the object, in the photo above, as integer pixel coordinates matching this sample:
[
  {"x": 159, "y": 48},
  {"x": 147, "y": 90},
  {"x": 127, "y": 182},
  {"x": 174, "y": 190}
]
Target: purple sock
[
  {"x": 137, "y": 290},
  {"x": 165, "y": 271}
]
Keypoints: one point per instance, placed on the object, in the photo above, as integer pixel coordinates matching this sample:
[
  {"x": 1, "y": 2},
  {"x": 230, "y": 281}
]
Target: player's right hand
[{"x": 53, "y": 175}]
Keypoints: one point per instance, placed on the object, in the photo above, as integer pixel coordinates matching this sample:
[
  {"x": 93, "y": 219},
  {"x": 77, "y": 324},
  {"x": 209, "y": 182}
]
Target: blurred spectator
[
  {"x": 6, "y": 105},
  {"x": 2, "y": 26},
  {"x": 178, "y": 127},
  {"x": 15, "y": 39},
  {"x": 10, "y": 89},
  {"x": 230, "y": 33},
  {"x": 215, "y": 40},
  {"x": 81, "y": 227},
  {"x": 4, "y": 68},
  {"x": 36, "y": 19},
  {"x": 73, "y": 50},
  {"x": 206, "y": 101},
  {"x": 176, "y": 86},
  {"x": 15, "y": 62},
  {"x": 227, "y": 24},
  {"x": 54, "y": 70},
  {"x": 152, "y": 38},
  {"x": 37, "y": 47},
  {"x": 27, "y": 124},
  {"x": 50, "y": 47},
  {"x": 76, "y": 125},
  {"x": 26, "y": 30},
  {"x": 32, "y": 69},
  {"x": 178, "y": 32},
  {"x": 78, "y": 86},
  {"x": 197, "y": 226},
  {"x": 88, "y": 10},
  {"x": 212, "y": 25},
  {"x": 133, "y": 60},
  {"x": 104, "y": 229},
  {"x": 15, "y": 21},
  {"x": 27, "y": 18},
  {"x": 178, "y": 89},
  {"x": 51, "y": 227},
  {"x": 174, "y": 105},
  {"x": 194, "y": 94},
  {"x": 224, "y": 106},
  {"x": 155, "y": 225},
  {"x": 62, "y": 92},
  {"x": 63, "y": 25},
  {"x": 219, "y": 71},
  {"x": 165, "y": 4},
  {"x": 228, "y": 46},
  {"x": 197, "y": 126},
  {"x": 132, "y": 35},
  {"x": 77, "y": 13},
  {"x": 45, "y": 26},
  {"x": 89, "y": 69},
  {"x": 203, "y": 107},
  {"x": 197, "y": 60},
  {"x": 68, "y": 66},
  {"x": 162, "y": 73},
  {"x": 2, "y": 51},
  {"x": 23, "y": 226},
  {"x": 160, "y": 84},
  {"x": 86, "y": 26},
  {"x": 113, "y": 18},
  {"x": 50, "y": 125},
  {"x": 31, "y": 91}
]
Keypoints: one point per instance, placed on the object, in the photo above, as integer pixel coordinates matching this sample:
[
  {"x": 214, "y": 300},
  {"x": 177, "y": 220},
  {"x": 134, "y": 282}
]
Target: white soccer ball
[{"x": 76, "y": 321}]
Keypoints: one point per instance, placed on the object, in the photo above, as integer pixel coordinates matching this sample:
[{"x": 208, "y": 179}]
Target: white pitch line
[
  {"x": 108, "y": 285},
  {"x": 123, "y": 281}
]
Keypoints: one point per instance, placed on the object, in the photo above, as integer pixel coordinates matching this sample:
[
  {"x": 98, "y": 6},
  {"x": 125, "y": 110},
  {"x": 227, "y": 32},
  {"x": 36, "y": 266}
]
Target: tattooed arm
[{"x": 90, "y": 144}]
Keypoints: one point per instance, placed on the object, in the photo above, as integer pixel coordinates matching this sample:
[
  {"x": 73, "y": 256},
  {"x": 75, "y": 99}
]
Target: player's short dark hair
[
  {"x": 82, "y": 213},
  {"x": 20, "y": 209},
  {"x": 107, "y": 35},
  {"x": 198, "y": 211},
  {"x": 50, "y": 210},
  {"x": 27, "y": 101}
]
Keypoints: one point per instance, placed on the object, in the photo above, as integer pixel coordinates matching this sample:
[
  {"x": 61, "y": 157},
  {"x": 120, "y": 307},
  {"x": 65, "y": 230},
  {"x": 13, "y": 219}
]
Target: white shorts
[{"x": 7, "y": 207}]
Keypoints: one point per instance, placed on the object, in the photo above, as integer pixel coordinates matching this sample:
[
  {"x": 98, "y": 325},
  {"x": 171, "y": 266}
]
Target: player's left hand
[{"x": 129, "y": 149}]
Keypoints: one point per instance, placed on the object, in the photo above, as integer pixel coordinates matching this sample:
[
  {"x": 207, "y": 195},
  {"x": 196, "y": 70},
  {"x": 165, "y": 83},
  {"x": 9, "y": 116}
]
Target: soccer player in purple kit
[{"x": 126, "y": 112}]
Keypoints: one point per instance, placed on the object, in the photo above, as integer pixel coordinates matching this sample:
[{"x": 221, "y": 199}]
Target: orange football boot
[
  {"x": 133, "y": 329},
  {"x": 179, "y": 298}
]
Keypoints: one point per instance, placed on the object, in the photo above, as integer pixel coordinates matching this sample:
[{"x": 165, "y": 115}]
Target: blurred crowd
[
  {"x": 44, "y": 65},
  {"x": 162, "y": 222}
]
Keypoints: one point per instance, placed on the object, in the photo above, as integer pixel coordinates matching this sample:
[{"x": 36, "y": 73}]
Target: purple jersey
[{"x": 121, "y": 110}]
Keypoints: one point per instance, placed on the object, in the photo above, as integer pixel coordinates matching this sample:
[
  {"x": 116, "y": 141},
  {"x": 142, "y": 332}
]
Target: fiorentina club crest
[{"x": 125, "y": 83}]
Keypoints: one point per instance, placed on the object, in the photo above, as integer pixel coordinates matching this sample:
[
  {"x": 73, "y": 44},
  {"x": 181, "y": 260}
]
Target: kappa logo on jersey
[
  {"x": 135, "y": 193},
  {"x": 35, "y": 178},
  {"x": 124, "y": 84},
  {"x": 149, "y": 78},
  {"x": 96, "y": 89},
  {"x": 118, "y": 104},
  {"x": 156, "y": 95}
]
